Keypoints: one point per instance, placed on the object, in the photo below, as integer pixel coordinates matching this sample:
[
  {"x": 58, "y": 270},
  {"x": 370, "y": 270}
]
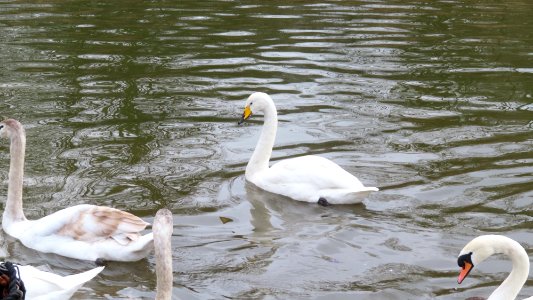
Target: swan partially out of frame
[
  {"x": 87, "y": 232},
  {"x": 41, "y": 285},
  {"x": 482, "y": 247},
  {"x": 307, "y": 178},
  {"x": 162, "y": 228}
]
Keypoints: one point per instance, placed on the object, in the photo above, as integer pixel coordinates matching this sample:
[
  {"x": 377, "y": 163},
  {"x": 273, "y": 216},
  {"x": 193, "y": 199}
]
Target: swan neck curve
[
  {"x": 512, "y": 285},
  {"x": 13, "y": 211},
  {"x": 263, "y": 150}
]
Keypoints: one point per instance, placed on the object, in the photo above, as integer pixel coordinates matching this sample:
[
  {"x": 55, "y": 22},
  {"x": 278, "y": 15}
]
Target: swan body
[
  {"x": 481, "y": 247},
  {"x": 307, "y": 178},
  {"x": 86, "y": 232},
  {"x": 162, "y": 229},
  {"x": 41, "y": 285}
]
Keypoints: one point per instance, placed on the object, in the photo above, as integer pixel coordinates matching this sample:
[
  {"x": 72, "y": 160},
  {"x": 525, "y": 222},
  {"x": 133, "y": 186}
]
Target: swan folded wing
[
  {"x": 313, "y": 170},
  {"x": 96, "y": 223}
]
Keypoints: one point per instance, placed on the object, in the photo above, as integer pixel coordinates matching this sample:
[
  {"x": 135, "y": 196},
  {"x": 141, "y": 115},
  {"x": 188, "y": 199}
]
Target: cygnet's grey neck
[{"x": 13, "y": 210}]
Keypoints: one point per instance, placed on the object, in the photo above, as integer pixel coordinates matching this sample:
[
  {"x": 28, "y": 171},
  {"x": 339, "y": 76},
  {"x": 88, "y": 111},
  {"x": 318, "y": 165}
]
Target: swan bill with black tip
[
  {"x": 465, "y": 262},
  {"x": 246, "y": 114}
]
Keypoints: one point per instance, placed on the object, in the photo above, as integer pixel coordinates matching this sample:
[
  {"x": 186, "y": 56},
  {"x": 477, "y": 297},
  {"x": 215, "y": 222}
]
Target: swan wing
[
  {"x": 307, "y": 178},
  {"x": 46, "y": 285},
  {"x": 313, "y": 170},
  {"x": 91, "y": 223},
  {"x": 86, "y": 232}
]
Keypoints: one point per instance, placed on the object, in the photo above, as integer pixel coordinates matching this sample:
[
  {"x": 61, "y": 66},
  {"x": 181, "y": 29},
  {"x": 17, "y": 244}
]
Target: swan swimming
[
  {"x": 307, "y": 178},
  {"x": 86, "y": 232},
  {"x": 482, "y": 247}
]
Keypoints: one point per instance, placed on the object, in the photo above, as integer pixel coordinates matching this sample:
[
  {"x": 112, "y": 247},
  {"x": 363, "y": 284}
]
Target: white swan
[
  {"x": 84, "y": 231},
  {"x": 41, "y": 285},
  {"x": 307, "y": 178},
  {"x": 162, "y": 229},
  {"x": 481, "y": 247}
]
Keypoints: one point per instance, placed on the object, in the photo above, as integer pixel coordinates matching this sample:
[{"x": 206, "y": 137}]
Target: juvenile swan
[
  {"x": 41, "y": 285},
  {"x": 481, "y": 247},
  {"x": 162, "y": 229},
  {"x": 83, "y": 231},
  {"x": 307, "y": 178}
]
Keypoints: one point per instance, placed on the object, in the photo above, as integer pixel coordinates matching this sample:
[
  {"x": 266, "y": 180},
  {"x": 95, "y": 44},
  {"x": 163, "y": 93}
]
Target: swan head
[
  {"x": 476, "y": 251},
  {"x": 257, "y": 102},
  {"x": 9, "y": 128}
]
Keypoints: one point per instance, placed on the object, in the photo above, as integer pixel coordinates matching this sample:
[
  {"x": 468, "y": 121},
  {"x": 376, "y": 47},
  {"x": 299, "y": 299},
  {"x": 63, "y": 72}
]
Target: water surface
[{"x": 134, "y": 104}]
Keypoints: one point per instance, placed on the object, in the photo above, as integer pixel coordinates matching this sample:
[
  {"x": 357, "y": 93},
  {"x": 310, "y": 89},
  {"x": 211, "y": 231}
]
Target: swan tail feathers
[
  {"x": 372, "y": 188},
  {"x": 346, "y": 196},
  {"x": 77, "y": 280},
  {"x": 143, "y": 245},
  {"x": 70, "y": 284}
]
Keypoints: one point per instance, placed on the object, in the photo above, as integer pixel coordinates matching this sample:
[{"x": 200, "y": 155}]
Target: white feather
[
  {"x": 85, "y": 231},
  {"x": 41, "y": 285},
  {"x": 306, "y": 178}
]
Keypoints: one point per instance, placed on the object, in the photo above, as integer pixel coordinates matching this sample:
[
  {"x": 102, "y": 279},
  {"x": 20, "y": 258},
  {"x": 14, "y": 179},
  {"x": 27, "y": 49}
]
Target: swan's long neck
[
  {"x": 512, "y": 285},
  {"x": 263, "y": 150},
  {"x": 13, "y": 211},
  {"x": 163, "y": 254}
]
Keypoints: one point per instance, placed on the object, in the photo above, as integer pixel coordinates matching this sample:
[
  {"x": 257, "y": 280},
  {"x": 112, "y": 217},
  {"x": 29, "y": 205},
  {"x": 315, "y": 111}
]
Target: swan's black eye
[
  {"x": 465, "y": 258},
  {"x": 1, "y": 126},
  {"x": 251, "y": 103}
]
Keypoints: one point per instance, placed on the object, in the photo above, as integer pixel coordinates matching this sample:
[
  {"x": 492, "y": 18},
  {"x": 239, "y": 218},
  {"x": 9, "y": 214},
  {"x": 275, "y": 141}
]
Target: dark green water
[{"x": 134, "y": 104}]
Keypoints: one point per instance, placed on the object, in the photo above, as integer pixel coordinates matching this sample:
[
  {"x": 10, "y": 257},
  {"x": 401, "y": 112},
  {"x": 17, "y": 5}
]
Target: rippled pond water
[{"x": 134, "y": 104}]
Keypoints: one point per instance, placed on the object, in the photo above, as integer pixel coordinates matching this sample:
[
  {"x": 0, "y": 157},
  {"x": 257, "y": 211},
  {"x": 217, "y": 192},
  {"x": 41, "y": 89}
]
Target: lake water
[{"x": 134, "y": 104}]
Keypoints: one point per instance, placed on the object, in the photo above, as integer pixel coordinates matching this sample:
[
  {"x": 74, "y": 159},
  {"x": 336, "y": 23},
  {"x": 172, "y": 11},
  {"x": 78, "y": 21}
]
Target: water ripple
[{"x": 135, "y": 104}]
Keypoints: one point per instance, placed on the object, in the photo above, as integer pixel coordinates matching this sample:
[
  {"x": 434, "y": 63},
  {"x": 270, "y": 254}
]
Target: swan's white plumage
[
  {"x": 306, "y": 178},
  {"x": 484, "y": 246},
  {"x": 84, "y": 231},
  {"x": 41, "y": 285}
]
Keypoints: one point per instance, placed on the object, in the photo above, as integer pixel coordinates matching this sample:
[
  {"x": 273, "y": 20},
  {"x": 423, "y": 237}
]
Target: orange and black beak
[
  {"x": 465, "y": 262},
  {"x": 246, "y": 114},
  {"x": 464, "y": 272}
]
